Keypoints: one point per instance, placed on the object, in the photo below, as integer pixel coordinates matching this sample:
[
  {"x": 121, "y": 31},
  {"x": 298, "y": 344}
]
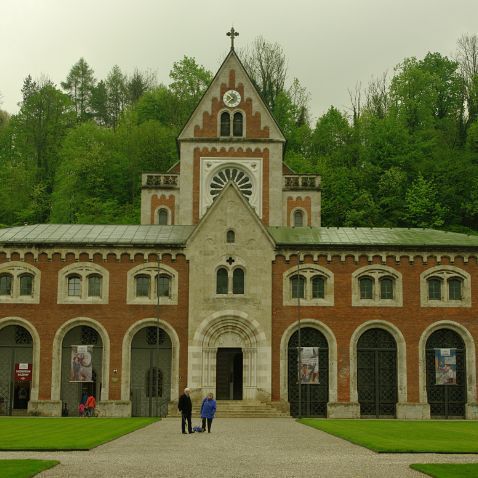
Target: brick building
[{"x": 229, "y": 266}]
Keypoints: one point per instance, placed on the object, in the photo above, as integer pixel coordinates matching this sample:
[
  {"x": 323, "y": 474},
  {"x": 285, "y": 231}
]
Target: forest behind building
[{"x": 403, "y": 153}]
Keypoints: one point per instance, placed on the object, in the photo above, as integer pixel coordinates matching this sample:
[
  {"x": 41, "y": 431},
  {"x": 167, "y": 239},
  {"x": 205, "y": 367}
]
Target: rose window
[{"x": 220, "y": 179}]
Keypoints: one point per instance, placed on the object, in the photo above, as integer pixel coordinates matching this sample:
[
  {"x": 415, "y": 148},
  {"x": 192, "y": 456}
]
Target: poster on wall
[
  {"x": 81, "y": 363},
  {"x": 445, "y": 366},
  {"x": 309, "y": 365}
]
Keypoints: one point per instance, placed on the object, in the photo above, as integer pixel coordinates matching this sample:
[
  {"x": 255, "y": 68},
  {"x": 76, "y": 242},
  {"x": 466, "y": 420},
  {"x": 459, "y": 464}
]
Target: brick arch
[
  {"x": 332, "y": 344},
  {"x": 126, "y": 355},
  {"x": 7, "y": 321},
  {"x": 57, "y": 355},
  {"x": 401, "y": 357},
  {"x": 470, "y": 355}
]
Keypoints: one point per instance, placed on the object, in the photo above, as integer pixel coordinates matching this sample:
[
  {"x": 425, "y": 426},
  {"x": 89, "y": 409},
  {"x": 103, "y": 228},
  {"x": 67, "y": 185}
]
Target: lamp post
[
  {"x": 299, "y": 347},
  {"x": 156, "y": 378}
]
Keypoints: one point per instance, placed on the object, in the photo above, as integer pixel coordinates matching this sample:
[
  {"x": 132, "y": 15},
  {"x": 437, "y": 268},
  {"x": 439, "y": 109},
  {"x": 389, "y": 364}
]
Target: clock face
[{"x": 231, "y": 98}]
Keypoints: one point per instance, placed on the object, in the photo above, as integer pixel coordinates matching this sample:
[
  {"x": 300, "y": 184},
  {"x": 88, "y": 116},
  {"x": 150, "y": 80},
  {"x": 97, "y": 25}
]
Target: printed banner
[
  {"x": 445, "y": 366},
  {"x": 309, "y": 366},
  {"x": 81, "y": 363}
]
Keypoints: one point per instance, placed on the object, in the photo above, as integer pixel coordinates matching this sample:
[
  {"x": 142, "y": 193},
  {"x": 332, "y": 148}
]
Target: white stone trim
[
  {"x": 84, "y": 270},
  {"x": 167, "y": 209},
  {"x": 308, "y": 271},
  {"x": 444, "y": 273},
  {"x": 401, "y": 357},
  {"x": 231, "y": 124},
  {"x": 284, "y": 356},
  {"x": 470, "y": 358},
  {"x": 126, "y": 355},
  {"x": 377, "y": 272},
  {"x": 36, "y": 364},
  {"x": 305, "y": 217},
  {"x": 151, "y": 269},
  {"x": 16, "y": 269},
  {"x": 57, "y": 355}
]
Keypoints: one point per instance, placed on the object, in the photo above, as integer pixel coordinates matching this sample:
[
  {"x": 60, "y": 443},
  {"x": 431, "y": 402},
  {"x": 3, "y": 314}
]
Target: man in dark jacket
[{"x": 185, "y": 406}]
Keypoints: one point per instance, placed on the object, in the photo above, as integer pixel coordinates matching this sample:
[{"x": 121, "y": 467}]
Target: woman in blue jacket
[{"x": 208, "y": 409}]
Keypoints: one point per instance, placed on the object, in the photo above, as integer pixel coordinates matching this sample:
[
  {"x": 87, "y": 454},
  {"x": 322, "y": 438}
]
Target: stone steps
[{"x": 240, "y": 409}]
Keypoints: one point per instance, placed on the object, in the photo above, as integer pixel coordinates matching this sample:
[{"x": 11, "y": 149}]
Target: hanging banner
[
  {"x": 309, "y": 365},
  {"x": 445, "y": 366},
  {"x": 23, "y": 372},
  {"x": 81, "y": 363}
]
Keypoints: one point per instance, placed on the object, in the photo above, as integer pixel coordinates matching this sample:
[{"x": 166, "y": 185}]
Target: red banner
[{"x": 23, "y": 372}]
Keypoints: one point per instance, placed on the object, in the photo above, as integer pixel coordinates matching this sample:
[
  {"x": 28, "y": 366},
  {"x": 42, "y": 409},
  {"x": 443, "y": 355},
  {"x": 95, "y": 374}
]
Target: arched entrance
[
  {"x": 16, "y": 357},
  {"x": 84, "y": 375},
  {"x": 314, "y": 397},
  {"x": 151, "y": 358},
  {"x": 446, "y": 401},
  {"x": 377, "y": 373}
]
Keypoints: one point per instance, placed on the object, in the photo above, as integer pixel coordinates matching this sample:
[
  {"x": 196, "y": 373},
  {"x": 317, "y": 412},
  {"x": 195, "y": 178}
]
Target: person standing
[
  {"x": 208, "y": 410},
  {"x": 185, "y": 406},
  {"x": 90, "y": 406}
]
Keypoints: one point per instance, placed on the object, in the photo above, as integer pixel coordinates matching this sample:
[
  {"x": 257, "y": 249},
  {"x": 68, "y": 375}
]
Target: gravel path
[{"x": 278, "y": 447}]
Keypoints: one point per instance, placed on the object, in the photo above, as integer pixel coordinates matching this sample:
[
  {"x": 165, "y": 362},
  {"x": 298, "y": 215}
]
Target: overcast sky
[{"x": 330, "y": 44}]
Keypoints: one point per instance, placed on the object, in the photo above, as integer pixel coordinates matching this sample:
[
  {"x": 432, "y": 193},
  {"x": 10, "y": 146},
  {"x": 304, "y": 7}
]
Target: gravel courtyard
[{"x": 235, "y": 448}]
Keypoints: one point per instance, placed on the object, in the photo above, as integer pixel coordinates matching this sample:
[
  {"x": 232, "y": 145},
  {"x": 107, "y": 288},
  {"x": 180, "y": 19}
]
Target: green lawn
[
  {"x": 396, "y": 436},
  {"x": 448, "y": 470},
  {"x": 24, "y": 468},
  {"x": 64, "y": 433}
]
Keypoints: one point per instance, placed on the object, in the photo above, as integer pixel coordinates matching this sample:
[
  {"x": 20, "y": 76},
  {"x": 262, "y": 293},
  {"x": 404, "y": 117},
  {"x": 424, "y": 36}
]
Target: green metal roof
[
  {"x": 373, "y": 236},
  {"x": 120, "y": 235}
]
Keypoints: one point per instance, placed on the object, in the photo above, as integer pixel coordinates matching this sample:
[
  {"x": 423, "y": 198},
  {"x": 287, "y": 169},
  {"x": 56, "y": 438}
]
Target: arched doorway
[
  {"x": 151, "y": 358},
  {"x": 314, "y": 397},
  {"x": 16, "y": 356},
  {"x": 377, "y": 373},
  {"x": 75, "y": 385},
  {"x": 446, "y": 401}
]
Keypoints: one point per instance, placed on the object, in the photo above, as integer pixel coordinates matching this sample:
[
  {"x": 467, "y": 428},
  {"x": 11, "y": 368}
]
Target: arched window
[
  {"x": 297, "y": 283},
  {"x": 221, "y": 282},
  {"x": 434, "y": 288},
  {"x": 238, "y": 281},
  {"x": 225, "y": 124},
  {"x": 164, "y": 286},
  {"x": 454, "y": 289},
  {"x": 94, "y": 285},
  {"x": 5, "y": 284},
  {"x": 26, "y": 284},
  {"x": 163, "y": 217},
  {"x": 386, "y": 288},
  {"x": 74, "y": 286},
  {"x": 142, "y": 285},
  {"x": 230, "y": 237},
  {"x": 318, "y": 287},
  {"x": 298, "y": 218},
  {"x": 366, "y": 287},
  {"x": 237, "y": 124}
]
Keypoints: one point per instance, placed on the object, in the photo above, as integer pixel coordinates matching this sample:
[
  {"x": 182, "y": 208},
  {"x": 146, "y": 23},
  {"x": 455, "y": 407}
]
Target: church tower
[{"x": 231, "y": 136}]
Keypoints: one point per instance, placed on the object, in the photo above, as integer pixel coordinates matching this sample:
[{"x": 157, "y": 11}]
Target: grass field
[
  {"x": 24, "y": 468},
  {"x": 395, "y": 436},
  {"x": 448, "y": 470},
  {"x": 64, "y": 433}
]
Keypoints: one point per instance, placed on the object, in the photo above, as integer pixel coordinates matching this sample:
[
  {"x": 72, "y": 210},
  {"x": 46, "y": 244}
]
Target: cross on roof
[
  {"x": 230, "y": 261},
  {"x": 232, "y": 33}
]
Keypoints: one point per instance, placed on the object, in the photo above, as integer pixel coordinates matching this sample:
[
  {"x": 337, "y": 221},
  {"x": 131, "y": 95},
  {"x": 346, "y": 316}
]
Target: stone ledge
[
  {"x": 471, "y": 411},
  {"x": 114, "y": 408},
  {"x": 413, "y": 411},
  {"x": 45, "y": 408},
  {"x": 343, "y": 410}
]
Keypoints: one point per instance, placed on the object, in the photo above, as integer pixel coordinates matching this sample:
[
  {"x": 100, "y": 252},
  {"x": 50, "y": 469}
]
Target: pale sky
[{"x": 330, "y": 44}]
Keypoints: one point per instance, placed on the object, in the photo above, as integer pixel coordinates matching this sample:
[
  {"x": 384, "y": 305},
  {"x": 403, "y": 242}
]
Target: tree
[
  {"x": 266, "y": 64},
  {"x": 99, "y": 103},
  {"x": 422, "y": 208},
  {"x": 189, "y": 81},
  {"x": 117, "y": 96},
  {"x": 138, "y": 84},
  {"x": 332, "y": 132},
  {"x": 79, "y": 85},
  {"x": 467, "y": 57}
]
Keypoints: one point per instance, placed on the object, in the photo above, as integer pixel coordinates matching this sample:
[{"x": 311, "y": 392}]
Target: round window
[{"x": 220, "y": 179}]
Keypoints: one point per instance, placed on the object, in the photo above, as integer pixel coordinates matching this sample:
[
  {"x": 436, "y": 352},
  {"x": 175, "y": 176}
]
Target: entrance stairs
[{"x": 241, "y": 409}]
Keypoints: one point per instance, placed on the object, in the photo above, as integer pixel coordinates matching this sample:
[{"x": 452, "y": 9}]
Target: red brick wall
[
  {"x": 299, "y": 202},
  {"x": 343, "y": 319},
  {"x": 162, "y": 200},
  {"x": 116, "y": 317}
]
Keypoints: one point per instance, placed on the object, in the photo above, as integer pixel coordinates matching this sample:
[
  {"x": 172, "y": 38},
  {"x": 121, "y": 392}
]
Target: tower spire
[{"x": 232, "y": 33}]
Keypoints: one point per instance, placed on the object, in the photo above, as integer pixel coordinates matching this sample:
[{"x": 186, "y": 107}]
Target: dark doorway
[
  {"x": 377, "y": 374},
  {"x": 446, "y": 401},
  {"x": 229, "y": 374}
]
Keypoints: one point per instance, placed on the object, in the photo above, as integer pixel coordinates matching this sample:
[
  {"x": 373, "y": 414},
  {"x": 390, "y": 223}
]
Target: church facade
[{"x": 226, "y": 282}]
